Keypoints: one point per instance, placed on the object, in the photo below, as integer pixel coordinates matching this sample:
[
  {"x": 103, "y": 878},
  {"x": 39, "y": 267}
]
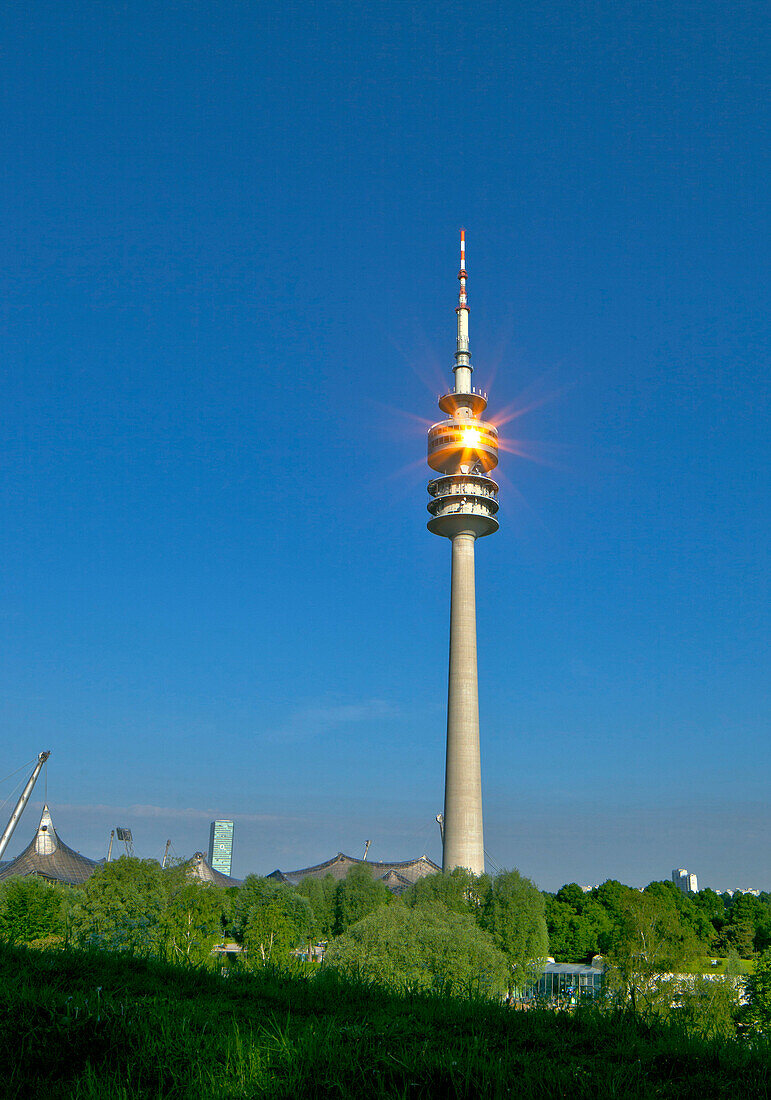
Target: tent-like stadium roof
[
  {"x": 200, "y": 868},
  {"x": 396, "y": 876},
  {"x": 49, "y": 857}
]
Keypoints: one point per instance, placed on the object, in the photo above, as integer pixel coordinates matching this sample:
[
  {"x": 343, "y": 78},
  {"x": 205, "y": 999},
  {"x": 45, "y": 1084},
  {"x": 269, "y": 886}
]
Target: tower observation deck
[{"x": 463, "y": 449}]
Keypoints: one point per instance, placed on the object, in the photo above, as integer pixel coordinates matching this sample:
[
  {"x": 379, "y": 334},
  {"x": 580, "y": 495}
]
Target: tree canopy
[
  {"x": 321, "y": 894},
  {"x": 122, "y": 906},
  {"x": 425, "y": 947},
  {"x": 459, "y": 890},
  {"x": 31, "y": 909},
  {"x": 357, "y": 895},
  {"x": 270, "y": 919},
  {"x": 195, "y": 917},
  {"x": 515, "y": 916}
]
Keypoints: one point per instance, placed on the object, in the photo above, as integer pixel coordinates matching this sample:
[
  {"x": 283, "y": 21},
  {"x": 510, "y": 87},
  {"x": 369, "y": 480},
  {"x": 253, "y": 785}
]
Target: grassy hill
[{"x": 104, "y": 1026}]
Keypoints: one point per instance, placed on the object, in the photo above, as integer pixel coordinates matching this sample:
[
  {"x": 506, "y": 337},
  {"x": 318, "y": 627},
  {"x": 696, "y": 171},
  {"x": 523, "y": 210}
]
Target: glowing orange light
[{"x": 470, "y": 437}]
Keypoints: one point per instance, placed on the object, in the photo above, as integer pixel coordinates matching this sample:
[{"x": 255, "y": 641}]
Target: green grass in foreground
[{"x": 91, "y": 1025}]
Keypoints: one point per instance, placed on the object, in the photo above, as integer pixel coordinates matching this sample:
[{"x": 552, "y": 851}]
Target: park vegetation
[
  {"x": 98, "y": 1025},
  {"x": 132, "y": 904},
  {"x": 687, "y": 975}
]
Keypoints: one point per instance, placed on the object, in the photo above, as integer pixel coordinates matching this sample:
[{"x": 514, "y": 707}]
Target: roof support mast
[{"x": 21, "y": 804}]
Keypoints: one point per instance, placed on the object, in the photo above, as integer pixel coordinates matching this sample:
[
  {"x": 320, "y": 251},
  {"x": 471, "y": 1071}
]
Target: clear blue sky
[{"x": 228, "y": 241}]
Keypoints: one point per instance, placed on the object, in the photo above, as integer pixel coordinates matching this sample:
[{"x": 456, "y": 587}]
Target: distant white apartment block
[{"x": 684, "y": 881}]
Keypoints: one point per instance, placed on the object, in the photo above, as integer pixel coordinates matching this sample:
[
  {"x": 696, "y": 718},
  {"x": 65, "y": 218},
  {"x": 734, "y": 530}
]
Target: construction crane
[{"x": 20, "y": 805}]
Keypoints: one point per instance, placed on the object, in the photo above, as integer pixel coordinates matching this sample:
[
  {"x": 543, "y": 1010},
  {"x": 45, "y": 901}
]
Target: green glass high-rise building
[{"x": 221, "y": 846}]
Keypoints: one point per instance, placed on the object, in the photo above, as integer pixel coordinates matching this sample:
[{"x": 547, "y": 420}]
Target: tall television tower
[{"x": 463, "y": 506}]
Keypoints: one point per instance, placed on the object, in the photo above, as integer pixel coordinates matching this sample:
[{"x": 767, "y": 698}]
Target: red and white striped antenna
[{"x": 462, "y": 298}]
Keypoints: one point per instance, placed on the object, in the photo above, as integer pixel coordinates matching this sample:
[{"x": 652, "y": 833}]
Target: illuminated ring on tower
[{"x": 456, "y": 443}]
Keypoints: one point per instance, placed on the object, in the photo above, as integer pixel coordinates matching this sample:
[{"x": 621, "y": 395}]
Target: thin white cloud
[
  {"x": 315, "y": 721},
  {"x": 160, "y": 812}
]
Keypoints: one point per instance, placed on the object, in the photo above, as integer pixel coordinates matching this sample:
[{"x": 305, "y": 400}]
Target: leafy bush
[
  {"x": 31, "y": 909},
  {"x": 321, "y": 895},
  {"x": 122, "y": 907},
  {"x": 194, "y": 920},
  {"x": 710, "y": 1008},
  {"x": 357, "y": 895},
  {"x": 270, "y": 919},
  {"x": 758, "y": 1010},
  {"x": 428, "y": 947},
  {"x": 514, "y": 915},
  {"x": 460, "y": 890}
]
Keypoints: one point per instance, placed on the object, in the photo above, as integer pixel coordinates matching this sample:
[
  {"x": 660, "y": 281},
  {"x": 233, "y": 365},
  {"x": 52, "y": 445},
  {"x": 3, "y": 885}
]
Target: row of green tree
[
  {"x": 582, "y": 924},
  {"x": 452, "y": 932},
  {"x": 454, "y": 928}
]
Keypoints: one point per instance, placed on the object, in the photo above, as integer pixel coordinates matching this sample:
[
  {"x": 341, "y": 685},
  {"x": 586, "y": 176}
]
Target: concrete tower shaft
[
  {"x": 463, "y": 449},
  {"x": 463, "y": 842}
]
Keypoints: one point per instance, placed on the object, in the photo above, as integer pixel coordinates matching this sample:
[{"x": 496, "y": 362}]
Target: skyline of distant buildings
[{"x": 687, "y": 881}]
